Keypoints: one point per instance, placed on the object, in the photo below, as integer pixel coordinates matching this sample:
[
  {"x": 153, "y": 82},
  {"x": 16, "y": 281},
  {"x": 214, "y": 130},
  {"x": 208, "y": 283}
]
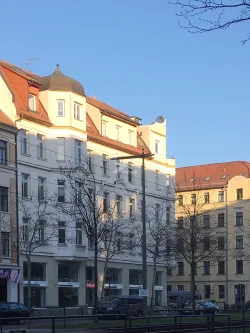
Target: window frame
[
  {"x": 206, "y": 197},
  {"x": 239, "y": 242},
  {"x": 40, "y": 145},
  {"x": 130, "y": 137},
  {"x": 130, "y": 172},
  {"x": 62, "y": 232},
  {"x": 24, "y": 141},
  {"x": 239, "y": 266},
  {"x": 58, "y": 101},
  {"x": 3, "y": 152},
  {"x": 77, "y": 111},
  {"x": 221, "y": 196},
  {"x": 219, "y": 219},
  {"x": 239, "y": 219},
  {"x": 239, "y": 194},
  {"x": 5, "y": 240},
  {"x": 41, "y": 188},
  {"x": 220, "y": 266},
  {"x": 61, "y": 185},
  {"x": 34, "y": 106},
  {"x": 25, "y": 185},
  {"x": 60, "y": 140},
  {"x": 78, "y": 151},
  {"x": 4, "y": 199},
  {"x": 105, "y": 165}
]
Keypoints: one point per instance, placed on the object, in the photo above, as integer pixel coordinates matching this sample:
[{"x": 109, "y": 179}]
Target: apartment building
[
  {"x": 8, "y": 206},
  {"x": 57, "y": 124},
  {"x": 222, "y": 191}
]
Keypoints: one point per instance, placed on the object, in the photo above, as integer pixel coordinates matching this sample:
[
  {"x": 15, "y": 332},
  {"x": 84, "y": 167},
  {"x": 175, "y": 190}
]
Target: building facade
[
  {"x": 58, "y": 124},
  {"x": 222, "y": 190}
]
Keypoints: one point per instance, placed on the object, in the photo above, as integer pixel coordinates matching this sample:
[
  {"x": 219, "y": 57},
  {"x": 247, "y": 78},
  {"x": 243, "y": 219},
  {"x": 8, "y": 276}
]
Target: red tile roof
[
  {"x": 210, "y": 175},
  {"x": 6, "y": 120},
  {"x": 111, "y": 111}
]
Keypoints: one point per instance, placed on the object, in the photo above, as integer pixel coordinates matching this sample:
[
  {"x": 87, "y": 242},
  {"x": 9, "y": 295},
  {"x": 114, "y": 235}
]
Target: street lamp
[{"x": 144, "y": 240}]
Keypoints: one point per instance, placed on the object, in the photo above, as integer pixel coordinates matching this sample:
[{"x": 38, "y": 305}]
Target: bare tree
[
  {"x": 38, "y": 228},
  {"x": 209, "y": 15},
  {"x": 196, "y": 238},
  {"x": 89, "y": 204}
]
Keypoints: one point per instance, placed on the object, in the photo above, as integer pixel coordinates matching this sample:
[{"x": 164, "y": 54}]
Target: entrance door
[
  {"x": 239, "y": 295},
  {"x": 3, "y": 290}
]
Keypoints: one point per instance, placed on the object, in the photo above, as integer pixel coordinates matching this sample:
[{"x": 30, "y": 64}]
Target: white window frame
[
  {"x": 62, "y": 226},
  {"x": 157, "y": 173},
  {"x": 25, "y": 184},
  {"x": 32, "y": 106},
  {"x": 157, "y": 147},
  {"x": 41, "y": 188},
  {"x": 78, "y": 151},
  {"x": 77, "y": 111},
  {"x": 79, "y": 234},
  {"x": 40, "y": 146},
  {"x": 105, "y": 164},
  {"x": 130, "y": 172},
  {"x": 130, "y": 137},
  {"x": 60, "y": 149},
  {"x": 25, "y": 229},
  {"x": 131, "y": 207},
  {"x": 60, "y": 112},
  {"x": 24, "y": 142},
  {"x": 104, "y": 128},
  {"x": 118, "y": 133}
]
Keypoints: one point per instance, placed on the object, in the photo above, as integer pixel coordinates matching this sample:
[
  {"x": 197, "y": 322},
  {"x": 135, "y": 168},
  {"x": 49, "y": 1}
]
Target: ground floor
[
  {"x": 237, "y": 291},
  {"x": 71, "y": 283},
  {"x": 8, "y": 285}
]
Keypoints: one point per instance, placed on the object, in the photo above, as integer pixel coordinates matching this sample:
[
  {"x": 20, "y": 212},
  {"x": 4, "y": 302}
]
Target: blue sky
[{"x": 134, "y": 56}]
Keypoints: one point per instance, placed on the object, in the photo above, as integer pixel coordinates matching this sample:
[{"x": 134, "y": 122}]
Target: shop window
[
  {"x": 68, "y": 273},
  {"x": 68, "y": 297},
  {"x": 135, "y": 276},
  {"x": 38, "y": 271},
  {"x": 38, "y": 296}
]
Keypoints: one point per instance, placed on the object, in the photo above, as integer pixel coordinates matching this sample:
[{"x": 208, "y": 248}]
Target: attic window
[
  {"x": 207, "y": 178},
  {"x": 224, "y": 177},
  {"x": 32, "y": 102},
  {"x": 191, "y": 180},
  {"x": 243, "y": 174}
]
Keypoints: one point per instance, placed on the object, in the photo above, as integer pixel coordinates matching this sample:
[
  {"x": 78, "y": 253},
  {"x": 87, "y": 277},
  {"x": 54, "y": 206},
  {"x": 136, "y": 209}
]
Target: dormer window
[
  {"x": 157, "y": 146},
  {"x": 60, "y": 108},
  {"x": 32, "y": 102},
  {"x": 104, "y": 128},
  {"x": 77, "y": 111}
]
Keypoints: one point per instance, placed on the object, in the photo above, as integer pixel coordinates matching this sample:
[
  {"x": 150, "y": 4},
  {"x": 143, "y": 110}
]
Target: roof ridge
[
  {"x": 95, "y": 99},
  {"x": 217, "y": 163}
]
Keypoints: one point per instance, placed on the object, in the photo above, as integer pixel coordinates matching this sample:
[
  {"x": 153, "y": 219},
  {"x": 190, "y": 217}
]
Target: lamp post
[{"x": 144, "y": 236}]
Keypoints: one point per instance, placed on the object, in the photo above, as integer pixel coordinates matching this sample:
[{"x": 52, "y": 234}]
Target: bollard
[
  {"x": 53, "y": 326},
  {"x": 64, "y": 315}
]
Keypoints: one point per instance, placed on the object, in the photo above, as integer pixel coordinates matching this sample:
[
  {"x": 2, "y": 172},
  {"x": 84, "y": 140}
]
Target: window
[
  {"x": 158, "y": 278},
  {"x": 221, "y": 196},
  {"x": 25, "y": 229},
  {"x": 180, "y": 222},
  {"x": 206, "y": 198},
  {"x": 41, "y": 189},
  {"x": 207, "y": 291},
  {"x": 105, "y": 165},
  {"x": 3, "y": 152},
  {"x": 180, "y": 200},
  {"x": 60, "y": 149},
  {"x": 68, "y": 272},
  {"x": 25, "y": 186},
  {"x": 130, "y": 172},
  {"x": 113, "y": 276},
  {"x": 180, "y": 268},
  {"x": 206, "y": 267},
  {"x": 157, "y": 179},
  {"x": 104, "y": 128},
  {"x": 117, "y": 133},
  {"x": 118, "y": 205},
  {"x": 38, "y": 271},
  {"x": 131, "y": 237},
  {"x": 24, "y": 148},
  {"x": 32, "y": 102},
  {"x": 130, "y": 137},
  {"x": 221, "y": 220},
  {"x": 5, "y": 240},
  {"x": 90, "y": 238},
  {"x": 239, "y": 242},
  {"x": 40, "y": 230},
  {"x": 239, "y": 194},
  {"x": 193, "y": 199},
  {"x": 180, "y": 287},
  {"x": 118, "y": 170},
  {"x": 157, "y": 146},
  {"x": 167, "y": 215},
  {"x": 239, "y": 266},
  {"x": 239, "y": 219},
  {"x": 157, "y": 213},
  {"x": 105, "y": 202},
  {"x": 135, "y": 276},
  {"x": 119, "y": 241},
  {"x": 90, "y": 160},
  {"x": 221, "y": 290},
  {"x": 78, "y": 192},
  {"x": 68, "y": 296},
  {"x": 167, "y": 180},
  {"x": 4, "y": 200},
  {"x": 40, "y": 146},
  {"x": 221, "y": 243},
  {"x": 206, "y": 221},
  {"x": 221, "y": 267},
  {"x": 169, "y": 271},
  {"x": 61, "y": 232},
  {"x": 131, "y": 207},
  {"x": 206, "y": 243},
  {"x": 78, "y": 233},
  {"x": 77, "y": 111},
  {"x": 61, "y": 190},
  {"x": 78, "y": 152},
  {"x": 169, "y": 287},
  {"x": 60, "y": 108}
]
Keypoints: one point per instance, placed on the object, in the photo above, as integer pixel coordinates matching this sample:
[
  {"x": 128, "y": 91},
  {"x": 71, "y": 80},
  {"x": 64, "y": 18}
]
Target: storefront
[
  {"x": 135, "y": 281},
  {"x": 113, "y": 282},
  {"x": 8, "y": 289},
  {"x": 134, "y": 289},
  {"x": 158, "y": 295},
  {"x": 68, "y": 285},
  {"x": 114, "y": 290}
]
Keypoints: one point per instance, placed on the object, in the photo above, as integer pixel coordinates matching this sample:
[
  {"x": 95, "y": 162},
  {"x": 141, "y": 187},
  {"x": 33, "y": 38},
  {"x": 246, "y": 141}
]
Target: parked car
[
  {"x": 128, "y": 305},
  {"x": 178, "y": 298},
  {"x": 10, "y": 310},
  {"x": 201, "y": 307}
]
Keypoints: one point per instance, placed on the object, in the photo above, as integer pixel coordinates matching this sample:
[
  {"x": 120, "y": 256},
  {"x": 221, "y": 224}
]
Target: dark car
[
  {"x": 9, "y": 310},
  {"x": 202, "y": 307},
  {"x": 131, "y": 306}
]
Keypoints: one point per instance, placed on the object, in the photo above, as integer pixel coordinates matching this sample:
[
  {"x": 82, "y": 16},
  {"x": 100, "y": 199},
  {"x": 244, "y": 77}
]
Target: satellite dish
[{"x": 160, "y": 119}]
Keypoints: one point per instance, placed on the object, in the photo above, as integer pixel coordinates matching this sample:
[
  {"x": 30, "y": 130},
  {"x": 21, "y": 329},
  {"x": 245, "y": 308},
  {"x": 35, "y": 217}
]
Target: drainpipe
[{"x": 226, "y": 294}]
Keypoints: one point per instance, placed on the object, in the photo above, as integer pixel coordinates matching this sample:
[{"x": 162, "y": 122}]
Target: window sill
[
  {"x": 78, "y": 120},
  {"x": 62, "y": 245},
  {"x": 26, "y": 198},
  {"x": 6, "y": 257},
  {"x": 60, "y": 161},
  {"x": 81, "y": 246},
  {"x": 180, "y": 274},
  {"x": 206, "y": 274},
  {"x": 42, "y": 159},
  {"x": 26, "y": 154},
  {"x": 239, "y": 274},
  {"x": 220, "y": 273},
  {"x": 106, "y": 176}
]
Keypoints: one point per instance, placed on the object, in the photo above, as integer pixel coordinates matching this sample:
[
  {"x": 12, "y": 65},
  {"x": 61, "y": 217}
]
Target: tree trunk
[
  {"x": 104, "y": 275},
  {"x": 153, "y": 284},
  {"x": 96, "y": 276},
  {"x": 192, "y": 284},
  {"x": 29, "y": 284}
]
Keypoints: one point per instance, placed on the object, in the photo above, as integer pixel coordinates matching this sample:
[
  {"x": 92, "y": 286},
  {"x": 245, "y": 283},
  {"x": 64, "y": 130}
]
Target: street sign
[{"x": 143, "y": 292}]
